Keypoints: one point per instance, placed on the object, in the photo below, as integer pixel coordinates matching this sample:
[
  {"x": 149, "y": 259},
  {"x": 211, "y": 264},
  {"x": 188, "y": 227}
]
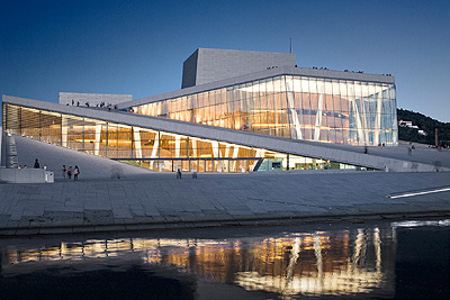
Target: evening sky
[{"x": 138, "y": 47}]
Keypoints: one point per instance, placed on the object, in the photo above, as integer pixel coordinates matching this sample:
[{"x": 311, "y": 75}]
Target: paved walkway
[
  {"x": 148, "y": 200},
  {"x": 214, "y": 200}
]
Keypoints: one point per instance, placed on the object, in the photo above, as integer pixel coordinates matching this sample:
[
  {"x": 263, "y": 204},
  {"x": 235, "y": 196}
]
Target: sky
[{"x": 138, "y": 47}]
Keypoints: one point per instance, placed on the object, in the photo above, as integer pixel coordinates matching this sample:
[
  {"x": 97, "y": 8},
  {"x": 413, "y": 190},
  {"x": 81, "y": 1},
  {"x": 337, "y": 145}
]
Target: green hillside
[{"x": 425, "y": 123}]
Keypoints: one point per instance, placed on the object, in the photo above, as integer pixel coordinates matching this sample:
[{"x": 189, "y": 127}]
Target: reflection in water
[
  {"x": 415, "y": 223},
  {"x": 314, "y": 263},
  {"x": 324, "y": 265}
]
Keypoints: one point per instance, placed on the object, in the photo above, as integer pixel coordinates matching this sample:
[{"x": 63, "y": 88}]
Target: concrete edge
[{"x": 215, "y": 223}]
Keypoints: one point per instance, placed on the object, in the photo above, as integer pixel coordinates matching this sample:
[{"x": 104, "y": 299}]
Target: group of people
[
  {"x": 107, "y": 105},
  {"x": 100, "y": 105},
  {"x": 67, "y": 173}
]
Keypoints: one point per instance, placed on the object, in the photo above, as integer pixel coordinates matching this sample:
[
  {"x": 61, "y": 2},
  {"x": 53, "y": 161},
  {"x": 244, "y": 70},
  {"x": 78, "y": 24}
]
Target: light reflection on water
[{"x": 312, "y": 263}]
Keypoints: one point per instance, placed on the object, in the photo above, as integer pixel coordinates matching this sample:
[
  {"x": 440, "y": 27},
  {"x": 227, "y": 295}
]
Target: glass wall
[
  {"x": 153, "y": 149},
  {"x": 298, "y": 107}
]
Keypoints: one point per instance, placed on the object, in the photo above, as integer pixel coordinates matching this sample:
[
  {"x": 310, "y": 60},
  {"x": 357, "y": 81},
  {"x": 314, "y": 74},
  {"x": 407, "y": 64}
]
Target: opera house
[{"x": 237, "y": 111}]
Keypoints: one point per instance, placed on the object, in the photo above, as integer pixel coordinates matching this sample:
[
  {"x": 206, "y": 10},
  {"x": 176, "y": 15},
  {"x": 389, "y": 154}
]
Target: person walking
[
  {"x": 36, "y": 164},
  {"x": 64, "y": 170},
  {"x": 69, "y": 172},
  {"x": 178, "y": 173},
  {"x": 116, "y": 171},
  {"x": 76, "y": 172},
  {"x": 194, "y": 174}
]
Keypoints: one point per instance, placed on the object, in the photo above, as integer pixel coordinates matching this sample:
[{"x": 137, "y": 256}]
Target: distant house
[
  {"x": 403, "y": 123},
  {"x": 409, "y": 124}
]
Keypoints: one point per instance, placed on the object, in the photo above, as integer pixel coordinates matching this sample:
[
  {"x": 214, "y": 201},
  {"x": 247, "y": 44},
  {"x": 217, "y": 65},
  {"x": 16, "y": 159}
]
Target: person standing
[
  {"x": 178, "y": 173},
  {"x": 76, "y": 172},
  {"x": 36, "y": 164},
  {"x": 69, "y": 172},
  {"x": 194, "y": 173},
  {"x": 64, "y": 170}
]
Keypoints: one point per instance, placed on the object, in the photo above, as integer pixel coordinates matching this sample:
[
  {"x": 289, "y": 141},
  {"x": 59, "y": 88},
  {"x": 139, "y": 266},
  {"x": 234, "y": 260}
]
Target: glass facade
[
  {"x": 154, "y": 149},
  {"x": 292, "y": 106}
]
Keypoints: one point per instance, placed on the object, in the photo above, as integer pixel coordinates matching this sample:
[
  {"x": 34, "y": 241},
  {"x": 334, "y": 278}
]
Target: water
[{"x": 395, "y": 260}]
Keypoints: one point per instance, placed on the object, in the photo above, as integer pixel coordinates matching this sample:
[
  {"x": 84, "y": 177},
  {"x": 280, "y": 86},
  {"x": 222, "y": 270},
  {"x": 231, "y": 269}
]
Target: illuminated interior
[
  {"x": 153, "y": 149},
  {"x": 297, "y": 107}
]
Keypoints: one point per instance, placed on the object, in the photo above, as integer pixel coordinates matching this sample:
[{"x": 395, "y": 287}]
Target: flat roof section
[{"x": 286, "y": 70}]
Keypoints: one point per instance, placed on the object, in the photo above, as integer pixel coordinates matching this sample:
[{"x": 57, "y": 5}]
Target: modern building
[{"x": 276, "y": 117}]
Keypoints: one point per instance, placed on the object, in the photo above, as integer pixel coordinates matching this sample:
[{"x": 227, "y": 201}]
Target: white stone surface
[
  {"x": 53, "y": 157},
  {"x": 157, "y": 199},
  {"x": 28, "y": 175}
]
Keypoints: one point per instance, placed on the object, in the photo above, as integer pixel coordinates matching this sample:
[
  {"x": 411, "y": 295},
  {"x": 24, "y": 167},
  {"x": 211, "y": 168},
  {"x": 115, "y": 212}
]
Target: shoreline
[{"x": 206, "y": 224}]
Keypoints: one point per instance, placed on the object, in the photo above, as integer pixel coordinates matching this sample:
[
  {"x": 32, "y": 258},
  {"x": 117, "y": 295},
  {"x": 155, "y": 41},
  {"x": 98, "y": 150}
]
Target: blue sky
[{"x": 138, "y": 47}]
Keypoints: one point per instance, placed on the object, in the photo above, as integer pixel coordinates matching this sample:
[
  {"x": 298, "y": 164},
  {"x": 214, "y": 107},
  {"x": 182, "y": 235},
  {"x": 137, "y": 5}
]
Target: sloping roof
[{"x": 378, "y": 158}]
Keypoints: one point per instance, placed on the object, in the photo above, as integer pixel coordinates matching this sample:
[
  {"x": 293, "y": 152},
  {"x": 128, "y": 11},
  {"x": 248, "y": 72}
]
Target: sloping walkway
[{"x": 91, "y": 167}]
